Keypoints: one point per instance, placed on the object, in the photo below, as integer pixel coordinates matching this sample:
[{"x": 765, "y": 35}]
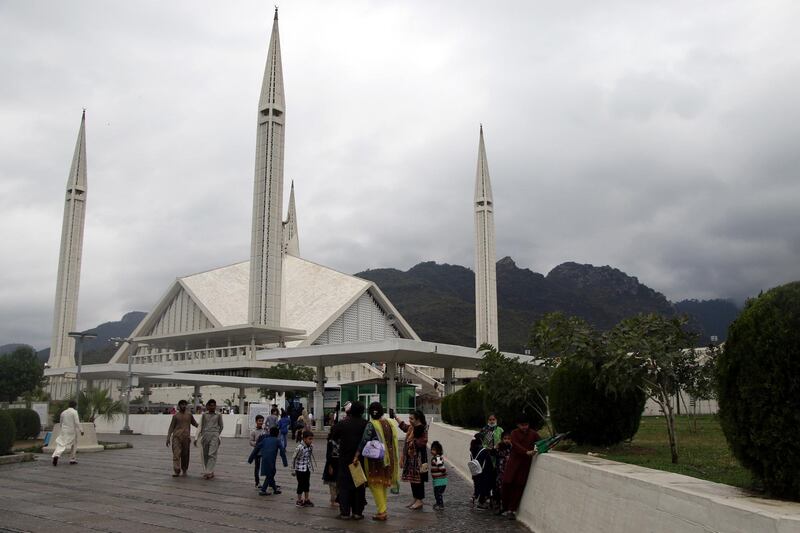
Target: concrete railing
[
  {"x": 222, "y": 353},
  {"x": 569, "y": 492}
]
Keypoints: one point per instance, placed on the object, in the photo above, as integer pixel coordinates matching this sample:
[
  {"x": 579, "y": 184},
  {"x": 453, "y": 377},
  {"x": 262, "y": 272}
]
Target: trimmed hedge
[
  {"x": 589, "y": 414},
  {"x": 447, "y": 403},
  {"x": 26, "y": 422},
  {"x": 7, "y": 433},
  {"x": 758, "y": 376},
  {"x": 465, "y": 407}
]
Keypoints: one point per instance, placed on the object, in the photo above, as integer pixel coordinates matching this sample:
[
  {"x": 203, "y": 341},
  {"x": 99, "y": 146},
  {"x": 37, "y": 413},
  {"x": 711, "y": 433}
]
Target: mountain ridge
[{"x": 438, "y": 300}]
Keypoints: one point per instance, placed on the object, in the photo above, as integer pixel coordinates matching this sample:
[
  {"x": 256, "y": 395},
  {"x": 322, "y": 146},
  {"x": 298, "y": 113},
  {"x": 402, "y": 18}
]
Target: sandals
[{"x": 381, "y": 517}]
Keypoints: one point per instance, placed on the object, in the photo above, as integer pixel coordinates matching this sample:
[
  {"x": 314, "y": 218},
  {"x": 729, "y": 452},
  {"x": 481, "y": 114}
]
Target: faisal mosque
[{"x": 221, "y": 327}]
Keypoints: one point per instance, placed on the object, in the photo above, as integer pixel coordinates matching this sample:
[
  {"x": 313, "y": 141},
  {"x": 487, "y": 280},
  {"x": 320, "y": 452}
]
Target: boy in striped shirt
[
  {"x": 303, "y": 465},
  {"x": 438, "y": 474}
]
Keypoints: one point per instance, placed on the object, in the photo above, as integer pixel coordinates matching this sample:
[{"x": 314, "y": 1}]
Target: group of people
[
  {"x": 500, "y": 462},
  {"x": 354, "y": 445},
  {"x": 372, "y": 447},
  {"x": 209, "y": 431},
  {"x": 356, "y": 448}
]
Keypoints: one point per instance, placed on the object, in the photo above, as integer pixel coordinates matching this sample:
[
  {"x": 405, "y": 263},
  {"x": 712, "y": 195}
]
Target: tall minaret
[
  {"x": 62, "y": 347},
  {"x": 485, "y": 276},
  {"x": 291, "y": 240},
  {"x": 266, "y": 247}
]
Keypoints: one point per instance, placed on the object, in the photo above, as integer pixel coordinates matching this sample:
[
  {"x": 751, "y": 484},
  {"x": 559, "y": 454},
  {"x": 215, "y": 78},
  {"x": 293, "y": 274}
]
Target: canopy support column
[
  {"x": 448, "y": 381},
  {"x": 196, "y": 395},
  {"x": 390, "y": 375},
  {"x": 240, "y": 422},
  {"x": 241, "y": 400},
  {"x": 319, "y": 398},
  {"x": 146, "y": 397}
]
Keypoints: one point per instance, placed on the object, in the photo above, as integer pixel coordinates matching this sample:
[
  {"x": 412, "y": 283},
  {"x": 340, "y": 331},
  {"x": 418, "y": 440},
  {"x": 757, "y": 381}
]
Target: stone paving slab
[{"x": 131, "y": 490}]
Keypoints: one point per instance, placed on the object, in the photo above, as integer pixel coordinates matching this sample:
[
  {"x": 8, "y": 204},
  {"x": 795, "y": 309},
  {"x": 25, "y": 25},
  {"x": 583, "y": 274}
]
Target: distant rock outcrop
[
  {"x": 438, "y": 300},
  {"x": 101, "y": 349}
]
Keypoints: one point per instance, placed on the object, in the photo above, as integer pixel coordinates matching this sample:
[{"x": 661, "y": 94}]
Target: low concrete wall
[
  {"x": 159, "y": 424},
  {"x": 569, "y": 492},
  {"x": 455, "y": 442},
  {"x": 86, "y": 442}
]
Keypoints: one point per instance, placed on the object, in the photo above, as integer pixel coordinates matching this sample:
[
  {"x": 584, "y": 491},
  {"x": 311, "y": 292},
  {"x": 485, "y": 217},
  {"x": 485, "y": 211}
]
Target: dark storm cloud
[{"x": 660, "y": 139}]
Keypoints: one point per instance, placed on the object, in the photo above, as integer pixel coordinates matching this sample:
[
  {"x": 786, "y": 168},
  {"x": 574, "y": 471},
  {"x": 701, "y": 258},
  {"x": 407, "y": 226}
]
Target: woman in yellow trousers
[{"x": 381, "y": 473}]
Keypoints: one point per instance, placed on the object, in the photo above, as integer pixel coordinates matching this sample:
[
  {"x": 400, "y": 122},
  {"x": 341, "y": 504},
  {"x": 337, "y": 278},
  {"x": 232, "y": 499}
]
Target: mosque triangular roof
[{"x": 315, "y": 296}]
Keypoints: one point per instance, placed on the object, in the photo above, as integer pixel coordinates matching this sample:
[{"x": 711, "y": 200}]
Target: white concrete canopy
[
  {"x": 242, "y": 334},
  {"x": 316, "y": 296},
  {"x": 148, "y": 374},
  {"x": 403, "y": 351}
]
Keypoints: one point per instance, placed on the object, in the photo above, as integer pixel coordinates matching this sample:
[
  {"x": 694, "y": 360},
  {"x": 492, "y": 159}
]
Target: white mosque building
[{"x": 233, "y": 321}]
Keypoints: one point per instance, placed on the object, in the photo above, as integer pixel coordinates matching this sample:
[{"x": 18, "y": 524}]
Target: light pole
[
  {"x": 126, "y": 429},
  {"x": 80, "y": 335}
]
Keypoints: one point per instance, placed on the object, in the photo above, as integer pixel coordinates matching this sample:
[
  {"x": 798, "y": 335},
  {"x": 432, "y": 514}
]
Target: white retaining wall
[
  {"x": 568, "y": 493},
  {"x": 86, "y": 442},
  {"x": 159, "y": 424}
]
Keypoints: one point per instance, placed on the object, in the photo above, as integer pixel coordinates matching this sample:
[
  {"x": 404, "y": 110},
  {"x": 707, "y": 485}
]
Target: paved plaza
[{"x": 132, "y": 490}]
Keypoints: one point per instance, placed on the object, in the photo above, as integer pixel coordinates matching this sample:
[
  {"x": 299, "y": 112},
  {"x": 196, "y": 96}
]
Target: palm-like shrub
[{"x": 94, "y": 403}]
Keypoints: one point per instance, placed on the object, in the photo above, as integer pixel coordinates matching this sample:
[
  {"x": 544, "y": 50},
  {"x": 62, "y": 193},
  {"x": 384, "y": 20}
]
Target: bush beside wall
[
  {"x": 591, "y": 415},
  {"x": 758, "y": 376},
  {"x": 7, "y": 433},
  {"x": 26, "y": 422}
]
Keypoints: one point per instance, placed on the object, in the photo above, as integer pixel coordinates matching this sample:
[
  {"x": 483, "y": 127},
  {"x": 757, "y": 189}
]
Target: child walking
[
  {"x": 439, "y": 474},
  {"x": 302, "y": 464},
  {"x": 481, "y": 481},
  {"x": 268, "y": 448},
  {"x": 256, "y": 436},
  {"x": 331, "y": 470},
  {"x": 503, "y": 451}
]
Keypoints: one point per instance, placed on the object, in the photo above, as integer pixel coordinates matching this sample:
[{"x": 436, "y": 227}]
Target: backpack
[{"x": 474, "y": 465}]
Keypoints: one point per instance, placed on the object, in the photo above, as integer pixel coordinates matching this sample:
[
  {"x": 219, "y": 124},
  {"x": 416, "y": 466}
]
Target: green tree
[
  {"x": 39, "y": 394},
  {"x": 20, "y": 372},
  {"x": 697, "y": 377},
  {"x": 287, "y": 372},
  {"x": 650, "y": 352},
  {"x": 579, "y": 403},
  {"x": 556, "y": 337},
  {"x": 513, "y": 386}
]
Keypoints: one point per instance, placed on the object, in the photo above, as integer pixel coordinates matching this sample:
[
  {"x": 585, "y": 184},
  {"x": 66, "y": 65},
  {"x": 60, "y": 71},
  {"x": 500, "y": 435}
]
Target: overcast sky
[{"x": 657, "y": 137}]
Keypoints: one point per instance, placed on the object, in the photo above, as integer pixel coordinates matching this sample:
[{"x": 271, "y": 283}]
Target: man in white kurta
[{"x": 68, "y": 438}]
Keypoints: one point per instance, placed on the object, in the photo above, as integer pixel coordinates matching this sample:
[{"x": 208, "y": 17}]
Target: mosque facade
[{"x": 215, "y": 322}]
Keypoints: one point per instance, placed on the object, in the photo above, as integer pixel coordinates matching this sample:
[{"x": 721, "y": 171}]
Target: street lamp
[
  {"x": 126, "y": 429},
  {"x": 80, "y": 335}
]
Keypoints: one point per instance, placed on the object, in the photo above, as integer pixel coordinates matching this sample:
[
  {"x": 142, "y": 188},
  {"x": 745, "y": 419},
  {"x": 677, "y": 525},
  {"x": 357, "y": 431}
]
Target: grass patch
[
  {"x": 31, "y": 446},
  {"x": 702, "y": 453}
]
